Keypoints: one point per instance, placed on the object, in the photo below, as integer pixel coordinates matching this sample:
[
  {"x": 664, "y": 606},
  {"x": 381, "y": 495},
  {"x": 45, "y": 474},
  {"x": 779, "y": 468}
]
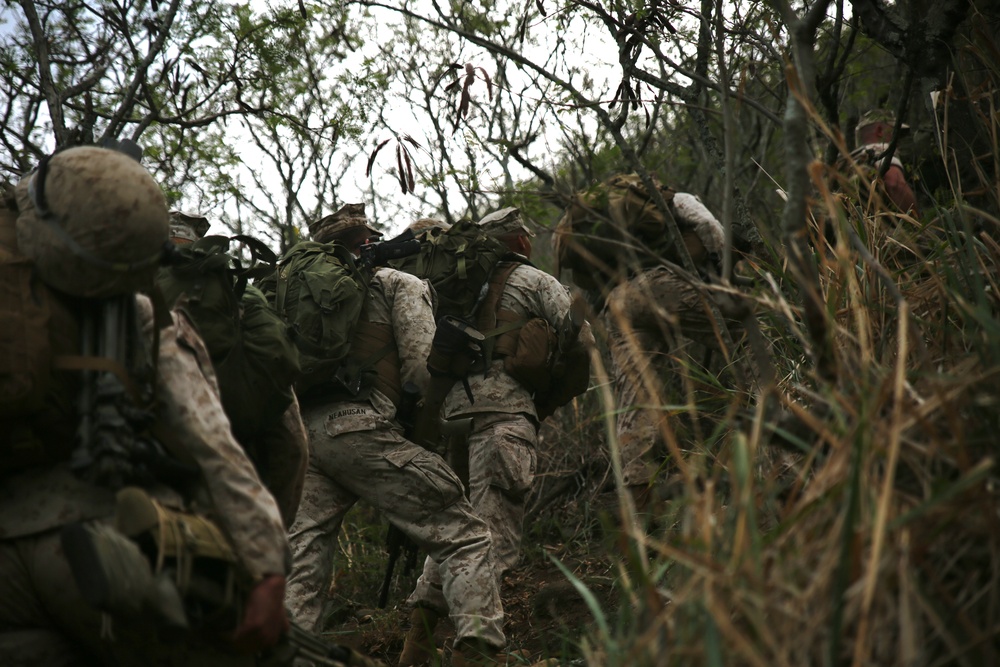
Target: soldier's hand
[{"x": 265, "y": 620}]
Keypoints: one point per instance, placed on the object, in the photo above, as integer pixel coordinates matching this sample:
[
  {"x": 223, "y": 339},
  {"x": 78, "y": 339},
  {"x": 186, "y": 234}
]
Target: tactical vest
[{"x": 491, "y": 317}]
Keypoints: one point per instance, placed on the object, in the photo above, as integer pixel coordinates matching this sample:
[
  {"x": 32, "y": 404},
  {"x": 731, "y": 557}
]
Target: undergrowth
[{"x": 850, "y": 518}]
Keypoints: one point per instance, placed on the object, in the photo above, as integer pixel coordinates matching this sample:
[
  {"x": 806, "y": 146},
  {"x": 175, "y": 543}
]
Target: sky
[{"x": 402, "y": 116}]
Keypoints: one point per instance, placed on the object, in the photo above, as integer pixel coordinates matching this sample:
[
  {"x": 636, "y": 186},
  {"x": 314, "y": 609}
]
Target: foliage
[
  {"x": 843, "y": 511},
  {"x": 181, "y": 79}
]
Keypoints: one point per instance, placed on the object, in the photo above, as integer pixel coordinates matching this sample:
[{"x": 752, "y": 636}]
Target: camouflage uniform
[
  {"x": 43, "y": 619},
  {"x": 503, "y": 442},
  {"x": 654, "y": 320},
  {"x": 357, "y": 451}
]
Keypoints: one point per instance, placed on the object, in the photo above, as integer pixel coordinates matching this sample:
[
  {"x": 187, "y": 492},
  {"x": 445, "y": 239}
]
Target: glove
[{"x": 264, "y": 619}]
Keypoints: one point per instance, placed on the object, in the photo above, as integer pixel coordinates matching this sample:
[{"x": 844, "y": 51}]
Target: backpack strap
[
  {"x": 489, "y": 311},
  {"x": 507, "y": 331}
]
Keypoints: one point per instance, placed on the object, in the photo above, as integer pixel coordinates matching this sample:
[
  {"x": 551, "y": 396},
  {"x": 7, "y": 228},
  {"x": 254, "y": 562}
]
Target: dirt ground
[{"x": 546, "y": 616}]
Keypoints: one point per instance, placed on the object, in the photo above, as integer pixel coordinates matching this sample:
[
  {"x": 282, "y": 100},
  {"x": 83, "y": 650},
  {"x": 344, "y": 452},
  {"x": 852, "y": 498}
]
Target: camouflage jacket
[{"x": 191, "y": 418}]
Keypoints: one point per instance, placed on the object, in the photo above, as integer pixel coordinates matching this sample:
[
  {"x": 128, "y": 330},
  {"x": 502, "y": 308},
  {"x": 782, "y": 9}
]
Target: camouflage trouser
[
  {"x": 45, "y": 621},
  {"x": 418, "y": 493},
  {"x": 502, "y": 460},
  {"x": 658, "y": 324}
]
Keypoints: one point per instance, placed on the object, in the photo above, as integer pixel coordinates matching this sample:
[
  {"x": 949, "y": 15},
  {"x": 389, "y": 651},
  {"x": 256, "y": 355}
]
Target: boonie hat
[
  {"x": 505, "y": 221},
  {"x": 875, "y": 116},
  {"x": 187, "y": 226},
  {"x": 349, "y": 216}
]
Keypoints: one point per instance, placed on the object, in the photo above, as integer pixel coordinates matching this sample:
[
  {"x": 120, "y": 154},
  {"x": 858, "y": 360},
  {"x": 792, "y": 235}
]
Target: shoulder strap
[
  {"x": 486, "y": 313},
  {"x": 486, "y": 318}
]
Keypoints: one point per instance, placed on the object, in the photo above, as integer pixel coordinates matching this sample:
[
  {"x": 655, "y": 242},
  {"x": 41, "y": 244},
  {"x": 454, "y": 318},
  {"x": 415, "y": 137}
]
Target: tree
[{"x": 179, "y": 78}]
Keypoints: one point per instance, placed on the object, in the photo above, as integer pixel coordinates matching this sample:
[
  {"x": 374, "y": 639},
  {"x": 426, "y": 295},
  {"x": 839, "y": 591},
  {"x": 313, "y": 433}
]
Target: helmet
[
  {"x": 872, "y": 118},
  {"x": 94, "y": 221},
  {"x": 423, "y": 224},
  {"x": 505, "y": 221}
]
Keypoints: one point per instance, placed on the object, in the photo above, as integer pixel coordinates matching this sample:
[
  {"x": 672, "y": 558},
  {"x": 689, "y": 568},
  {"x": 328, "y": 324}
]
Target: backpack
[
  {"x": 320, "y": 291},
  {"x": 38, "y": 327},
  {"x": 530, "y": 350},
  {"x": 25, "y": 352},
  {"x": 458, "y": 263},
  {"x": 255, "y": 360},
  {"x": 616, "y": 228}
]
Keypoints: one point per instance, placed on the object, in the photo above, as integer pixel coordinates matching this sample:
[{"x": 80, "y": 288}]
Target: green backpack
[
  {"x": 320, "y": 291},
  {"x": 457, "y": 262},
  {"x": 254, "y": 357}
]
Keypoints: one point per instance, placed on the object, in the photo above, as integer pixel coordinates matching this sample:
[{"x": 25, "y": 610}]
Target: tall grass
[{"x": 863, "y": 526}]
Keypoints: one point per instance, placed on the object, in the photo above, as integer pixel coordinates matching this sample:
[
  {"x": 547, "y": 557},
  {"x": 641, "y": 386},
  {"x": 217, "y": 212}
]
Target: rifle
[
  {"x": 396, "y": 541},
  {"x": 113, "y": 446},
  {"x": 380, "y": 253}
]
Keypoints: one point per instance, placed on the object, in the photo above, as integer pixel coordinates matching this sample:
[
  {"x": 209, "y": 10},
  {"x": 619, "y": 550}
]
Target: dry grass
[
  {"x": 850, "y": 520},
  {"x": 869, "y": 533}
]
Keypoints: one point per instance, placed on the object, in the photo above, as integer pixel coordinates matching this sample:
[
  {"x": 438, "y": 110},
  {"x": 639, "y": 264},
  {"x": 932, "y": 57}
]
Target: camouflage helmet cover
[
  {"x": 347, "y": 217},
  {"x": 94, "y": 222},
  {"x": 505, "y": 221},
  {"x": 423, "y": 224}
]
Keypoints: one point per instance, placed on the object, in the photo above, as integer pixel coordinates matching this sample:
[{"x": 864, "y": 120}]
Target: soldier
[
  {"x": 279, "y": 449},
  {"x": 94, "y": 224},
  {"x": 503, "y": 440},
  {"x": 873, "y": 135},
  {"x": 654, "y": 318},
  {"x": 357, "y": 451}
]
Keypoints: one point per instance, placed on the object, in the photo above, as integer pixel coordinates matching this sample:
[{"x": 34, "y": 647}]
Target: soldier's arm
[
  {"x": 192, "y": 417},
  {"x": 899, "y": 190},
  {"x": 412, "y": 315},
  {"x": 708, "y": 228}
]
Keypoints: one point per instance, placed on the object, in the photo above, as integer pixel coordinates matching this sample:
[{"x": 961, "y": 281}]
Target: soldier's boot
[{"x": 418, "y": 647}]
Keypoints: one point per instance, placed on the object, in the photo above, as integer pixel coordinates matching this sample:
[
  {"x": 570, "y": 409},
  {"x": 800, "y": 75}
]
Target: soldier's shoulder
[
  {"x": 389, "y": 276},
  {"x": 530, "y": 275}
]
